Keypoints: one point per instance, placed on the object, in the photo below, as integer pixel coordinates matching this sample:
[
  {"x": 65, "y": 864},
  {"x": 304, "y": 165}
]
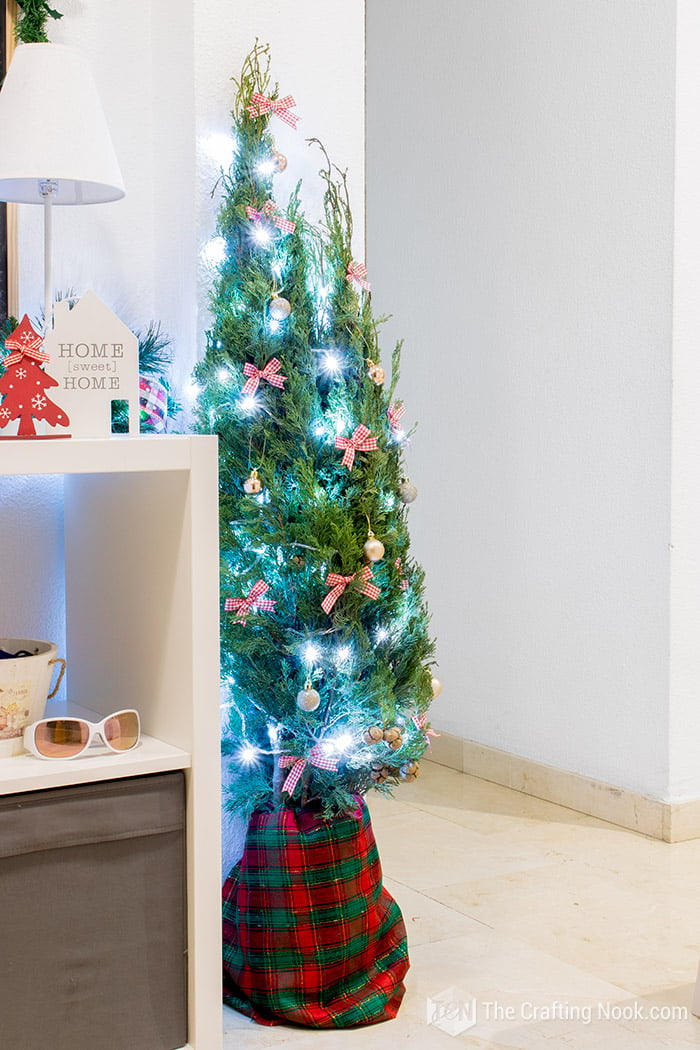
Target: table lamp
[{"x": 56, "y": 147}]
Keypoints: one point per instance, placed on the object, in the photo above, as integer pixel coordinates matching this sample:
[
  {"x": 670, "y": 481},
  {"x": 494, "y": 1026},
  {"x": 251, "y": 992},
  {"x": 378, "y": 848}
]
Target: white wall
[
  {"x": 685, "y": 535},
  {"x": 520, "y": 228}
]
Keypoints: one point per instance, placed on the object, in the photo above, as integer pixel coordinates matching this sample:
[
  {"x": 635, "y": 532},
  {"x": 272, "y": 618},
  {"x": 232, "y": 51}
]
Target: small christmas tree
[
  {"x": 24, "y": 383},
  {"x": 325, "y": 645},
  {"x": 324, "y": 635}
]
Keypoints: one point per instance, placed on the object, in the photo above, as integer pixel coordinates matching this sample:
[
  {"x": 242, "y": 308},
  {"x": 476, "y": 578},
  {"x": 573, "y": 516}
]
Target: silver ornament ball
[
  {"x": 279, "y": 308},
  {"x": 407, "y": 491}
]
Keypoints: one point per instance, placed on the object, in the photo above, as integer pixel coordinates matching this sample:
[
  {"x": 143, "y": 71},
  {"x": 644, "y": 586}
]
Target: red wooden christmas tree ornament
[{"x": 24, "y": 384}]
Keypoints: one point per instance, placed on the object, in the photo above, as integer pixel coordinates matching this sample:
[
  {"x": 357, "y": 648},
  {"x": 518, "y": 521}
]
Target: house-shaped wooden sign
[{"x": 95, "y": 358}]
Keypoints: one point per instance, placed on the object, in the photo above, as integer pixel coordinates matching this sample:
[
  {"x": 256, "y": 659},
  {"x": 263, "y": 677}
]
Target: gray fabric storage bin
[{"x": 92, "y": 916}]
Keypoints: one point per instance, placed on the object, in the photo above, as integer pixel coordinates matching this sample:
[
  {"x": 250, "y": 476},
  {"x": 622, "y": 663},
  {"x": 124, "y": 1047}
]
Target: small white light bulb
[
  {"x": 311, "y": 653},
  {"x": 261, "y": 235},
  {"x": 214, "y": 251},
  {"x": 338, "y": 745},
  {"x": 273, "y": 732},
  {"x": 248, "y": 754},
  {"x": 330, "y": 363},
  {"x": 343, "y": 654}
]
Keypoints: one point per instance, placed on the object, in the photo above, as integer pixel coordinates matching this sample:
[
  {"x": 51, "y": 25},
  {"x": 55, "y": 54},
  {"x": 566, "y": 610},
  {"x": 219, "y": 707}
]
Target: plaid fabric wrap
[{"x": 311, "y": 937}]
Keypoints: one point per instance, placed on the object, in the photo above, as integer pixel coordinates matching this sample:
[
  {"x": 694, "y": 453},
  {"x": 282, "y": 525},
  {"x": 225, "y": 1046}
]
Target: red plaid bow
[
  {"x": 427, "y": 733},
  {"x": 395, "y": 413},
  {"x": 316, "y": 758},
  {"x": 269, "y": 211},
  {"x": 404, "y": 581},
  {"x": 268, "y": 373},
  {"x": 24, "y": 344},
  {"x": 358, "y": 272},
  {"x": 339, "y": 583},
  {"x": 361, "y": 441},
  {"x": 260, "y": 105},
  {"x": 253, "y": 603}
]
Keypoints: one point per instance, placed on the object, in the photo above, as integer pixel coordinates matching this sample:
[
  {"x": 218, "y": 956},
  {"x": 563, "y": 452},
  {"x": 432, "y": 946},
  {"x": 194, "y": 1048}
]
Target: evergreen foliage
[
  {"x": 31, "y": 21},
  {"x": 369, "y": 659}
]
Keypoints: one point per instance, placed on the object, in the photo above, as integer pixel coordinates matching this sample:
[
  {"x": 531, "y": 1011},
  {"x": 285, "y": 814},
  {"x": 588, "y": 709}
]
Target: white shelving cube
[{"x": 142, "y": 630}]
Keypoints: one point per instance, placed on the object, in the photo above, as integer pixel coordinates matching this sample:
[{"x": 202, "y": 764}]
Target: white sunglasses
[{"x": 71, "y": 737}]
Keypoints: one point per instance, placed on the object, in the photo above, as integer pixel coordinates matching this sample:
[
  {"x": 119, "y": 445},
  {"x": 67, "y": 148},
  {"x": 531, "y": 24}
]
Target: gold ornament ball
[
  {"x": 252, "y": 485},
  {"x": 407, "y": 491},
  {"x": 373, "y": 735},
  {"x": 279, "y": 308},
  {"x": 436, "y": 686},
  {"x": 376, "y": 373},
  {"x": 374, "y": 548},
  {"x": 308, "y": 700},
  {"x": 280, "y": 161}
]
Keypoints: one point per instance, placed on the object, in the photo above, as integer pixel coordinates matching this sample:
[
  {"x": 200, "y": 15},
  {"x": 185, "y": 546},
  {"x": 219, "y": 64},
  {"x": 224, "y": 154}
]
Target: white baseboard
[{"x": 670, "y": 821}]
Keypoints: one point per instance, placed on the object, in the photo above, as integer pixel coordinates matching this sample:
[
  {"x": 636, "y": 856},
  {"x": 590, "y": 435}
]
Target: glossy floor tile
[{"x": 530, "y": 927}]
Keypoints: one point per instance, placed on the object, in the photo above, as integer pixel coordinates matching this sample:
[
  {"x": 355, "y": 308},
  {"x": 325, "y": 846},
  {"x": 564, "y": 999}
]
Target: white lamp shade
[{"x": 52, "y": 126}]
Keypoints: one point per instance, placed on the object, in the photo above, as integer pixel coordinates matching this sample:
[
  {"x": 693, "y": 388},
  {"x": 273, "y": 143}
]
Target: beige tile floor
[{"x": 578, "y": 931}]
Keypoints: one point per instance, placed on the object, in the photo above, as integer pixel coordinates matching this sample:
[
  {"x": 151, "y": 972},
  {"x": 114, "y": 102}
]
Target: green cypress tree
[{"x": 326, "y": 662}]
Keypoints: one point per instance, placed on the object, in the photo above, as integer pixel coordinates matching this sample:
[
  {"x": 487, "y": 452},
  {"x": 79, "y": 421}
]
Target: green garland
[{"x": 31, "y": 22}]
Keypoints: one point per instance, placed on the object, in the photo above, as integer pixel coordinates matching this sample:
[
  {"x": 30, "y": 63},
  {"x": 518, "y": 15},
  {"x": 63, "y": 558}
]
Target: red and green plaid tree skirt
[{"x": 311, "y": 937}]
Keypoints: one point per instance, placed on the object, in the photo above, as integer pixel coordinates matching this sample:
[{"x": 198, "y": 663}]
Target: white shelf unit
[{"x": 142, "y": 630}]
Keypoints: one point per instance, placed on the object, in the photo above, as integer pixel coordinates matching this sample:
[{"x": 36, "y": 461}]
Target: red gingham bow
[
  {"x": 404, "y": 581},
  {"x": 361, "y": 441},
  {"x": 316, "y": 758},
  {"x": 253, "y": 603},
  {"x": 395, "y": 413},
  {"x": 339, "y": 583},
  {"x": 358, "y": 272},
  {"x": 270, "y": 211},
  {"x": 260, "y": 105},
  {"x": 268, "y": 373},
  {"x": 427, "y": 733},
  {"x": 25, "y": 345}
]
